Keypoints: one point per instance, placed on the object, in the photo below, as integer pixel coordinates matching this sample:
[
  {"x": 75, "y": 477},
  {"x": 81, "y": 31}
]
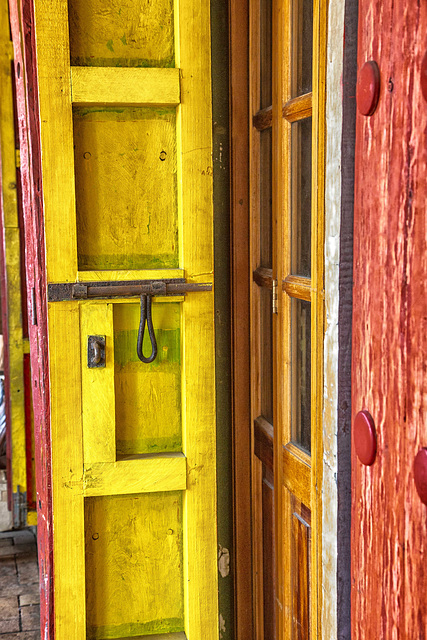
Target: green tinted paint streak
[
  {"x": 128, "y": 113},
  {"x": 168, "y": 348},
  {"x": 169, "y": 625},
  {"x": 110, "y": 45},
  {"x": 123, "y": 39},
  {"x": 173, "y": 444},
  {"x": 84, "y": 61},
  {"x": 128, "y": 261}
]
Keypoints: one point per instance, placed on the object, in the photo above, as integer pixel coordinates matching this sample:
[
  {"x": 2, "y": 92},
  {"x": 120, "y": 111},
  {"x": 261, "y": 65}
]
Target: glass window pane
[
  {"x": 266, "y": 364},
  {"x": 301, "y": 373},
  {"x": 266, "y": 53},
  {"x": 265, "y": 199},
  {"x": 301, "y": 197},
  {"x": 302, "y": 45}
]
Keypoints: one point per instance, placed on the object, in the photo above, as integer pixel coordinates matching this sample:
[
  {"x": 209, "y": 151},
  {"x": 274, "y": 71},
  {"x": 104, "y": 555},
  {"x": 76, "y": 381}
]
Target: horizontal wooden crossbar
[
  {"x": 297, "y": 287},
  {"x": 125, "y": 86},
  {"x": 147, "y": 473}
]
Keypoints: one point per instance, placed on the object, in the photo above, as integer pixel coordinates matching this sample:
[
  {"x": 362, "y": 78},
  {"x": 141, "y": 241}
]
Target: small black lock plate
[{"x": 95, "y": 352}]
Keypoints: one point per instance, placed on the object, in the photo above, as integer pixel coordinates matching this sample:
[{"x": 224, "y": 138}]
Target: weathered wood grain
[{"x": 389, "y": 526}]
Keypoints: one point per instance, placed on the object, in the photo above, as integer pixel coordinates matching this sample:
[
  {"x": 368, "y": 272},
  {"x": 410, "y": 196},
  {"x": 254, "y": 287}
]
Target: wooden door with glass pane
[{"x": 286, "y": 313}]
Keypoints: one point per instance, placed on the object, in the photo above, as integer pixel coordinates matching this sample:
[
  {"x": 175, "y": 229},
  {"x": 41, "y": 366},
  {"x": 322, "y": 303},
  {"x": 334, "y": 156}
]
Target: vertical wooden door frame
[
  {"x": 26, "y": 82},
  {"x": 240, "y": 274}
]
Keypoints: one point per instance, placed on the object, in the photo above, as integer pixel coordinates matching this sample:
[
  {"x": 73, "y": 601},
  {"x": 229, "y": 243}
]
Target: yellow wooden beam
[
  {"x": 161, "y": 472},
  {"x": 121, "y": 85},
  {"x": 57, "y": 144},
  {"x": 67, "y": 471},
  {"x": 98, "y": 398},
  {"x": 195, "y": 198},
  {"x": 136, "y": 274}
]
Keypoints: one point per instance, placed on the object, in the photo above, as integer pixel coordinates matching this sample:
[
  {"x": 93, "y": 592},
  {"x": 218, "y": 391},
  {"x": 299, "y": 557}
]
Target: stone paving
[{"x": 19, "y": 586}]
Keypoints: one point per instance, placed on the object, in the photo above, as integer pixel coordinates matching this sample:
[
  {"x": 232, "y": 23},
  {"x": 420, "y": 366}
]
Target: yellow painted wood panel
[
  {"x": 8, "y": 166},
  {"x": 12, "y": 249},
  {"x": 106, "y": 85},
  {"x": 129, "y": 221},
  {"x": 143, "y": 274},
  {"x": 163, "y": 472},
  {"x": 199, "y": 446},
  {"x": 148, "y": 396},
  {"x": 16, "y": 359},
  {"x": 134, "y": 564},
  {"x": 120, "y": 34},
  {"x": 67, "y": 470},
  {"x": 99, "y": 425},
  {"x": 195, "y": 142},
  {"x": 56, "y": 135}
]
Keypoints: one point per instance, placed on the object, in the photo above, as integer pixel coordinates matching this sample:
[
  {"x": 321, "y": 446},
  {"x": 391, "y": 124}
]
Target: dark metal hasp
[{"x": 123, "y": 289}]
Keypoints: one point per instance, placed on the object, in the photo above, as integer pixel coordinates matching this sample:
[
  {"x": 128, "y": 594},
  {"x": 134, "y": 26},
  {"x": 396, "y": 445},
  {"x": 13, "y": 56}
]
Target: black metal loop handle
[{"x": 146, "y": 317}]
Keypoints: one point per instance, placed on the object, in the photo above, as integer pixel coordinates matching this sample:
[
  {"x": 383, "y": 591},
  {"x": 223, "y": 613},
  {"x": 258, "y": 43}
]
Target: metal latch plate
[{"x": 95, "y": 352}]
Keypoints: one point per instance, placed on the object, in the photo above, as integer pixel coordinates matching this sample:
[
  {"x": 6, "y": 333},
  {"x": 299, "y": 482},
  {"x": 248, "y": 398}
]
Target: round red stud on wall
[
  {"x": 368, "y": 88},
  {"x": 420, "y": 474},
  {"x": 364, "y": 437},
  {"x": 424, "y": 76}
]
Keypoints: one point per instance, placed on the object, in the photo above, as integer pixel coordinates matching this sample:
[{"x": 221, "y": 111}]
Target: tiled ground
[{"x": 19, "y": 587}]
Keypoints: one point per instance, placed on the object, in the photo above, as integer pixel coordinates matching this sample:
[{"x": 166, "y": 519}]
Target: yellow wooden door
[{"x": 125, "y": 126}]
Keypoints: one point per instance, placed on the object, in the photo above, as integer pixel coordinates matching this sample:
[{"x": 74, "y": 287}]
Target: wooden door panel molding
[
  {"x": 137, "y": 86},
  {"x": 389, "y": 333}
]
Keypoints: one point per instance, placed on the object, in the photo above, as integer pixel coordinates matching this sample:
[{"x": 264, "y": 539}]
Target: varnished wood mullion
[
  {"x": 242, "y": 464},
  {"x": 263, "y": 119},
  {"x": 255, "y": 313},
  {"x": 263, "y": 277},
  {"x": 298, "y": 108},
  {"x": 297, "y": 287},
  {"x": 298, "y": 478},
  {"x": 263, "y": 436}
]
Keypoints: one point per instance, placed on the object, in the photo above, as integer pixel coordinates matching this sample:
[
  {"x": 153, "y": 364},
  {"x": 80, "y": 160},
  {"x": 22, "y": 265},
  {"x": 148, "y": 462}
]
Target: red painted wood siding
[
  {"x": 22, "y": 26},
  {"x": 389, "y": 523}
]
